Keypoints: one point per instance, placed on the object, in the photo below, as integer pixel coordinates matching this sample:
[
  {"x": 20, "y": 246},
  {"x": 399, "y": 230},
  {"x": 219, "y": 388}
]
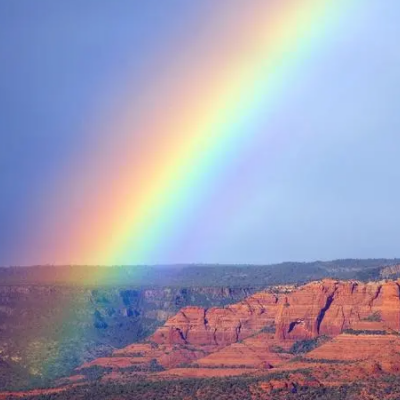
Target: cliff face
[
  {"x": 320, "y": 308},
  {"x": 219, "y": 326},
  {"x": 259, "y": 331},
  {"x": 264, "y": 332},
  {"x": 67, "y": 326},
  {"x": 329, "y": 307}
]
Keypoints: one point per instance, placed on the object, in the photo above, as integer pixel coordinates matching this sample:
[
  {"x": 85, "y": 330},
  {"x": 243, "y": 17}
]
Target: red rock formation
[
  {"x": 232, "y": 336},
  {"x": 329, "y": 307},
  {"x": 143, "y": 355},
  {"x": 357, "y": 348},
  {"x": 257, "y": 352},
  {"x": 219, "y": 326},
  {"x": 290, "y": 384},
  {"x": 202, "y": 372}
]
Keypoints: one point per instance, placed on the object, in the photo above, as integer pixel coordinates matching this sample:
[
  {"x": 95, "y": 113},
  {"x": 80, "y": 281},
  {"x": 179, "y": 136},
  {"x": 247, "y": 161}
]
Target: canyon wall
[
  {"x": 273, "y": 319},
  {"x": 48, "y": 330},
  {"x": 326, "y": 307}
]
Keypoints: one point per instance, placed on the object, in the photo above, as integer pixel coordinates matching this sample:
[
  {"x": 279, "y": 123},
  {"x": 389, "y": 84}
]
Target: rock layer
[
  {"x": 329, "y": 307},
  {"x": 220, "y": 326},
  {"x": 258, "y": 332}
]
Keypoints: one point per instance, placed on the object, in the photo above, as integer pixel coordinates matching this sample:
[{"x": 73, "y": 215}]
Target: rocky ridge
[
  {"x": 259, "y": 331},
  {"x": 324, "y": 333},
  {"x": 47, "y": 331}
]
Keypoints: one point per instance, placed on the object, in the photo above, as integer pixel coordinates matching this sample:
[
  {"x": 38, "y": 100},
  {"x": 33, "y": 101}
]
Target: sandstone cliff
[
  {"x": 68, "y": 326},
  {"x": 329, "y": 307},
  {"x": 220, "y": 326},
  {"x": 258, "y": 332},
  {"x": 325, "y": 307},
  {"x": 324, "y": 333}
]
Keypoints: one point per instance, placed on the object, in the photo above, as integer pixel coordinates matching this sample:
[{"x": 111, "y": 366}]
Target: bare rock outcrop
[
  {"x": 328, "y": 307},
  {"x": 219, "y": 326},
  {"x": 259, "y": 331}
]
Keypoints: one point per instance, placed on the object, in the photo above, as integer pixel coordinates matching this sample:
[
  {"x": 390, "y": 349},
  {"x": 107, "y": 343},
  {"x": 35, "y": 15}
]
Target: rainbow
[{"x": 159, "y": 155}]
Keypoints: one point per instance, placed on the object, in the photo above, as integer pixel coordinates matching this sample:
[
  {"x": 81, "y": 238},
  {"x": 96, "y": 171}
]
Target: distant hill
[{"x": 198, "y": 275}]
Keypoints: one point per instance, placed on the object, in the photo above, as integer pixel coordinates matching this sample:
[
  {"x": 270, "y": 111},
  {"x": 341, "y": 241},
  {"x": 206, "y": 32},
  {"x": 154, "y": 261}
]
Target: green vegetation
[
  {"x": 232, "y": 388},
  {"x": 304, "y": 346},
  {"x": 95, "y": 372},
  {"x": 53, "y": 330},
  {"x": 220, "y": 366},
  {"x": 364, "y": 332},
  {"x": 269, "y": 329},
  {"x": 197, "y": 275},
  {"x": 278, "y": 349},
  {"x": 374, "y": 317},
  {"x": 239, "y": 388},
  {"x": 55, "y": 320},
  {"x": 319, "y": 360}
]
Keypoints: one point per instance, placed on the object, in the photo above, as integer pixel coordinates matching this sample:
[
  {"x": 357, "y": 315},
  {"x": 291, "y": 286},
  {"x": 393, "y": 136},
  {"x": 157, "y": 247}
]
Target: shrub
[
  {"x": 374, "y": 317},
  {"x": 304, "y": 346},
  {"x": 268, "y": 329},
  {"x": 364, "y": 332}
]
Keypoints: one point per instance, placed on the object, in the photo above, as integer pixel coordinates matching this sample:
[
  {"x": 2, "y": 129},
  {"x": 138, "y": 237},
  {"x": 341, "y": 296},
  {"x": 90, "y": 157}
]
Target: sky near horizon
[{"x": 92, "y": 94}]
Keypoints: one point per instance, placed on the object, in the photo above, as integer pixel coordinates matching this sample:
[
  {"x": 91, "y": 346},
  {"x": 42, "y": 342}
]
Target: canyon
[
  {"x": 259, "y": 331},
  {"x": 47, "y": 331},
  {"x": 282, "y": 338},
  {"x": 55, "y": 318},
  {"x": 325, "y": 333}
]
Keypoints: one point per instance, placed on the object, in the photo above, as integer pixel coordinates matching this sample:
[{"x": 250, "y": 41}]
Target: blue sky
[{"x": 333, "y": 193}]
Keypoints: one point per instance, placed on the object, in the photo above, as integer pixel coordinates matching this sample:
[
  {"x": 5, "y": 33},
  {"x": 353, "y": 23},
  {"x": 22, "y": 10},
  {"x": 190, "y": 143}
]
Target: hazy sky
[{"x": 330, "y": 191}]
